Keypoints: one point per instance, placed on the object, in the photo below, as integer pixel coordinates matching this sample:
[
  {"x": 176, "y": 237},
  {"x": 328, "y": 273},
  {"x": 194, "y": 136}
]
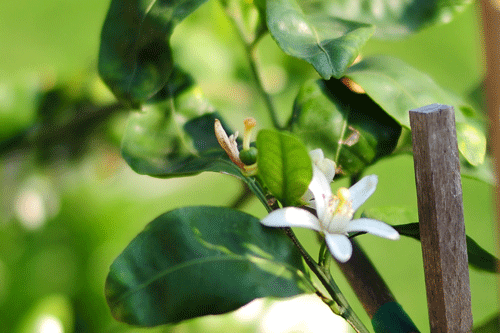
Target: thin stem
[
  {"x": 344, "y": 309},
  {"x": 244, "y": 196},
  {"x": 251, "y": 57},
  {"x": 250, "y": 53},
  {"x": 340, "y": 143}
]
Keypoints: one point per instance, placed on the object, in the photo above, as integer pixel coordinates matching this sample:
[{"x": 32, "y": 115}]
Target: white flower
[
  {"x": 335, "y": 214},
  {"x": 326, "y": 166}
]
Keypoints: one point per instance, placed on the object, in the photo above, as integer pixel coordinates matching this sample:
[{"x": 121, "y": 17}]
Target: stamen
[
  {"x": 343, "y": 194},
  {"x": 228, "y": 144},
  {"x": 344, "y": 206},
  {"x": 249, "y": 123}
]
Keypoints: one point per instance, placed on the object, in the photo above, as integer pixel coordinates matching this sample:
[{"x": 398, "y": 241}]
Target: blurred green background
[{"x": 62, "y": 223}]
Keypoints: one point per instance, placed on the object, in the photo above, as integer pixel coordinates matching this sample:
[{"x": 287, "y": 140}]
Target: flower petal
[
  {"x": 325, "y": 165},
  {"x": 316, "y": 155},
  {"x": 291, "y": 217},
  {"x": 362, "y": 190},
  {"x": 373, "y": 227},
  {"x": 321, "y": 190},
  {"x": 340, "y": 246}
]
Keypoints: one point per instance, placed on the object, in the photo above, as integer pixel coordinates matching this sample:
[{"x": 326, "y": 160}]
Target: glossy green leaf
[
  {"x": 198, "y": 261},
  {"x": 174, "y": 134},
  {"x": 398, "y": 88},
  {"x": 350, "y": 128},
  {"x": 284, "y": 165},
  {"x": 394, "y": 18},
  {"x": 479, "y": 258},
  {"x": 328, "y": 43},
  {"x": 135, "y": 57},
  {"x": 154, "y": 145}
]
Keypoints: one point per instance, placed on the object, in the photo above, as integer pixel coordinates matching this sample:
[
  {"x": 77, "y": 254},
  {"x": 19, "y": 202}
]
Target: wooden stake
[
  {"x": 490, "y": 14},
  {"x": 440, "y": 211}
]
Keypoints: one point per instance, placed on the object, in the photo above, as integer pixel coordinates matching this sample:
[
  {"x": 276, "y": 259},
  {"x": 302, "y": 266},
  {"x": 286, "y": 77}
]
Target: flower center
[{"x": 338, "y": 212}]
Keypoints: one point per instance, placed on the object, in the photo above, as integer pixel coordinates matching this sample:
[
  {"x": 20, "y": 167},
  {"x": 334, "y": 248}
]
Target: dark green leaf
[
  {"x": 398, "y": 88},
  {"x": 284, "y": 165},
  {"x": 393, "y": 18},
  {"x": 350, "y": 128},
  {"x": 174, "y": 134},
  {"x": 490, "y": 326},
  {"x": 135, "y": 57},
  {"x": 153, "y": 143},
  {"x": 197, "y": 261},
  {"x": 328, "y": 43},
  {"x": 479, "y": 258},
  {"x": 391, "y": 318}
]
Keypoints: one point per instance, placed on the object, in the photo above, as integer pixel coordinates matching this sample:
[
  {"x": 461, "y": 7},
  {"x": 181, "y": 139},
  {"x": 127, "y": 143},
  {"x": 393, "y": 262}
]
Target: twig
[{"x": 244, "y": 196}]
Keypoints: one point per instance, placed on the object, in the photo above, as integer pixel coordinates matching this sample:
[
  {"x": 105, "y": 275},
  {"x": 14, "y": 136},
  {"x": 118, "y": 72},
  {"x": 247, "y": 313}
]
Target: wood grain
[{"x": 440, "y": 210}]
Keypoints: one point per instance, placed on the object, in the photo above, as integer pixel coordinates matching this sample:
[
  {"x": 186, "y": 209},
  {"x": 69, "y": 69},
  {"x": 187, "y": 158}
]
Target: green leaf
[
  {"x": 328, "y": 43},
  {"x": 391, "y": 318},
  {"x": 492, "y": 325},
  {"x": 284, "y": 165},
  {"x": 153, "y": 142},
  {"x": 135, "y": 57},
  {"x": 483, "y": 172},
  {"x": 154, "y": 145},
  {"x": 394, "y": 18},
  {"x": 350, "y": 128},
  {"x": 174, "y": 135},
  {"x": 398, "y": 88},
  {"x": 198, "y": 261},
  {"x": 479, "y": 258}
]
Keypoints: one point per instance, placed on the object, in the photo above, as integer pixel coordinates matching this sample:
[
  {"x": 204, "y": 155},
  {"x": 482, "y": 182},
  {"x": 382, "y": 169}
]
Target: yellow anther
[
  {"x": 343, "y": 194},
  {"x": 249, "y": 123}
]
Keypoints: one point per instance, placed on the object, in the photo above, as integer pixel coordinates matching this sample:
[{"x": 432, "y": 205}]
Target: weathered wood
[
  {"x": 490, "y": 12},
  {"x": 440, "y": 211}
]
